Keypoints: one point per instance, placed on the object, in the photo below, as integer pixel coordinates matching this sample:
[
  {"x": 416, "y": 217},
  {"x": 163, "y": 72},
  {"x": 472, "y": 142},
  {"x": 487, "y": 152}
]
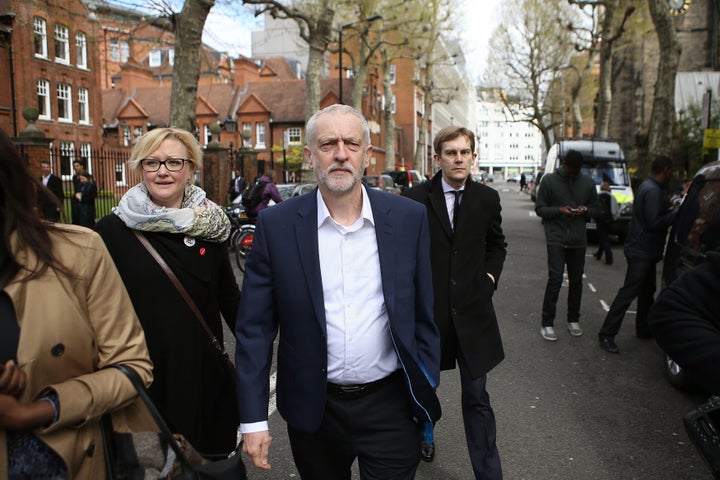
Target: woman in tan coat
[{"x": 64, "y": 316}]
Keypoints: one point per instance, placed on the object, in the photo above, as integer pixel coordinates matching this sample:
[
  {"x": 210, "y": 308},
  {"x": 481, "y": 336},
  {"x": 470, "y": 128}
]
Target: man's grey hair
[{"x": 335, "y": 108}]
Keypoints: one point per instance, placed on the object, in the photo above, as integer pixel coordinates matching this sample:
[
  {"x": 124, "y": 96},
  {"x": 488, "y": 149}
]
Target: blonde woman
[{"x": 193, "y": 388}]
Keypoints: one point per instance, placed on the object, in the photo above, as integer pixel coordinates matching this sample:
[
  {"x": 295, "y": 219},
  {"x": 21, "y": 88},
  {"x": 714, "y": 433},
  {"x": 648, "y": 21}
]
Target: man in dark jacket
[
  {"x": 685, "y": 322},
  {"x": 237, "y": 186},
  {"x": 467, "y": 252},
  {"x": 652, "y": 215},
  {"x": 566, "y": 200},
  {"x": 51, "y": 210}
]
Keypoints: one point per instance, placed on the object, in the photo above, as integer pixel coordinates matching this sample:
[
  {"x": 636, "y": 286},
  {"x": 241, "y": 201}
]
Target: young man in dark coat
[
  {"x": 566, "y": 200},
  {"x": 467, "y": 252},
  {"x": 51, "y": 210},
  {"x": 652, "y": 216}
]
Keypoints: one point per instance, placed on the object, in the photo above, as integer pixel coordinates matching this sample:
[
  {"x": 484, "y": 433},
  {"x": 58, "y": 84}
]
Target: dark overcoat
[
  {"x": 193, "y": 389},
  {"x": 463, "y": 292}
]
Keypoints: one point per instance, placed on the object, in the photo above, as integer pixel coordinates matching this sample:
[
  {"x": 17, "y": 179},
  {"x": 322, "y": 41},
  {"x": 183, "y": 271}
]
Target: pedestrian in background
[
  {"x": 343, "y": 275},
  {"x": 566, "y": 200},
  {"x": 270, "y": 193},
  {"x": 50, "y": 208},
  {"x": 523, "y": 181},
  {"x": 64, "y": 317},
  {"x": 652, "y": 216},
  {"x": 237, "y": 186},
  {"x": 608, "y": 211},
  {"x": 77, "y": 185},
  {"x": 467, "y": 252},
  {"x": 194, "y": 387},
  {"x": 86, "y": 200}
]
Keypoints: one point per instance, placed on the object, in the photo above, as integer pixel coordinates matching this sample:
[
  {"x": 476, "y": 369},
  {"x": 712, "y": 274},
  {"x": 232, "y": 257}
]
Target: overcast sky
[{"x": 231, "y": 32}]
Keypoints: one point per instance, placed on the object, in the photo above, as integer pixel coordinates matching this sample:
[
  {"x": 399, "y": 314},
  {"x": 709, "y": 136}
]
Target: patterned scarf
[{"x": 197, "y": 217}]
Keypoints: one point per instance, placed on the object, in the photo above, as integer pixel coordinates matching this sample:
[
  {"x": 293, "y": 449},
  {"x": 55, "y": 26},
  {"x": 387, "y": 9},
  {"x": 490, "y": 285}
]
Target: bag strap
[
  {"x": 186, "y": 296},
  {"x": 165, "y": 432}
]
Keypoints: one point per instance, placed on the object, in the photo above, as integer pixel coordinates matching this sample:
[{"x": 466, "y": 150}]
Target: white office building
[{"x": 507, "y": 146}]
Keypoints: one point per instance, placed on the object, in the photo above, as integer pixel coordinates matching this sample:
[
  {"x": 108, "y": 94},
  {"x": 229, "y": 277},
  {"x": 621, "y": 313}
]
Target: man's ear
[{"x": 308, "y": 156}]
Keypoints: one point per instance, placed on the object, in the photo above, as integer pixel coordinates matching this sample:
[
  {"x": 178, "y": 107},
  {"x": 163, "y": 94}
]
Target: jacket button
[
  {"x": 455, "y": 251},
  {"x": 453, "y": 282},
  {"x": 453, "y": 311},
  {"x": 58, "y": 350}
]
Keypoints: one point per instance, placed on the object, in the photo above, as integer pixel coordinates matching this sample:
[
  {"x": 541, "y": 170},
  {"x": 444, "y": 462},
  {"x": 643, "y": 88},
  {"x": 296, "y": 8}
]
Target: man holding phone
[{"x": 566, "y": 200}]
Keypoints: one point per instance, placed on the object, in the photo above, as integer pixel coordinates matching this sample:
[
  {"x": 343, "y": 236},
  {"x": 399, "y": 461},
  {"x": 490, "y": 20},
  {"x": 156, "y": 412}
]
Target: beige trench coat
[{"x": 70, "y": 330}]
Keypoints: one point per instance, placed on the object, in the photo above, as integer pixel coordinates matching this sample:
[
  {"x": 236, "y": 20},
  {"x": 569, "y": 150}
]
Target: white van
[{"x": 603, "y": 160}]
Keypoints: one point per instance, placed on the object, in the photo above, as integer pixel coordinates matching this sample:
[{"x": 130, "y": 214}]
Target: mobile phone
[{"x": 575, "y": 210}]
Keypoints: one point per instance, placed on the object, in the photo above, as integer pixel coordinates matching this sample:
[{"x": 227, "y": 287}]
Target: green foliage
[
  {"x": 294, "y": 158},
  {"x": 689, "y": 146}
]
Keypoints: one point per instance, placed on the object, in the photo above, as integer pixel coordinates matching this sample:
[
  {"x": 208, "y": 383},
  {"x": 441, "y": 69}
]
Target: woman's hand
[{"x": 12, "y": 379}]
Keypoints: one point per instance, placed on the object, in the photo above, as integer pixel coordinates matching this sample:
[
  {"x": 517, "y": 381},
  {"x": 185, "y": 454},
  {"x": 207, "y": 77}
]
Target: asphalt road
[{"x": 565, "y": 410}]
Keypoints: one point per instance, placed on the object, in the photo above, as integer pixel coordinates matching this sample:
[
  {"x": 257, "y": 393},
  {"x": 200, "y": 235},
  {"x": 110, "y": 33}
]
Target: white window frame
[
  {"x": 81, "y": 59},
  {"x": 120, "y": 174},
  {"x": 155, "y": 58},
  {"x": 259, "y": 134},
  {"x": 294, "y": 136},
  {"x": 40, "y": 37},
  {"x": 62, "y": 44},
  {"x": 83, "y": 106},
  {"x": 393, "y": 104},
  {"x": 43, "y": 96},
  {"x": 64, "y": 102},
  {"x": 114, "y": 50},
  {"x": 67, "y": 154},
  {"x": 393, "y": 75},
  {"x": 86, "y": 156},
  {"x": 171, "y": 56},
  {"x": 124, "y": 51}
]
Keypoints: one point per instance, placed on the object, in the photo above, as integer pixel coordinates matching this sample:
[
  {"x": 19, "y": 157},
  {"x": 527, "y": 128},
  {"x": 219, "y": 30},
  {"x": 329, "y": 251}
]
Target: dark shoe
[
  {"x": 427, "y": 451},
  {"x": 597, "y": 256},
  {"x": 643, "y": 334},
  {"x": 608, "y": 344},
  {"x": 609, "y": 263}
]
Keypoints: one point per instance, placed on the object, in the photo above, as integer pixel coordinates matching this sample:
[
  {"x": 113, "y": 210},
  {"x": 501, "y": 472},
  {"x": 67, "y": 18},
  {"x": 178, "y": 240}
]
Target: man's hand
[
  {"x": 567, "y": 211},
  {"x": 257, "y": 445}
]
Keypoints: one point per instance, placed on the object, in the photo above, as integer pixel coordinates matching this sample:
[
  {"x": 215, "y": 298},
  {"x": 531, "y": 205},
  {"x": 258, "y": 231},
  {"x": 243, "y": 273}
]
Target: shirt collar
[
  {"x": 447, "y": 188},
  {"x": 324, "y": 213}
]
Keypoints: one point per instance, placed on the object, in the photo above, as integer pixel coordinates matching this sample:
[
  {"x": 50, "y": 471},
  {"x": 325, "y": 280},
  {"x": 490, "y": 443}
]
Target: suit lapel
[
  {"x": 387, "y": 248},
  {"x": 437, "y": 203},
  {"x": 306, "y": 239}
]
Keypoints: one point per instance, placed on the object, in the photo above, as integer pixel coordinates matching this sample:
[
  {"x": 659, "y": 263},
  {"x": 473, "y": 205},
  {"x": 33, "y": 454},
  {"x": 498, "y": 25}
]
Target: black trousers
[
  {"x": 557, "y": 258},
  {"x": 639, "y": 283},
  {"x": 377, "y": 429}
]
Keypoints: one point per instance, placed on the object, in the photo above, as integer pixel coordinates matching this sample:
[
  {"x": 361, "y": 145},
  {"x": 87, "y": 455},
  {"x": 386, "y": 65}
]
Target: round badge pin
[{"x": 189, "y": 241}]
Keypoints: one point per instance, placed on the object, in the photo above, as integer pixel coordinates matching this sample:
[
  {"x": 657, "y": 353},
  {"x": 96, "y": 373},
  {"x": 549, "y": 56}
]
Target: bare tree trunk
[
  {"x": 421, "y": 150},
  {"x": 662, "y": 120},
  {"x": 319, "y": 39},
  {"x": 189, "y": 25},
  {"x": 360, "y": 74},
  {"x": 388, "y": 116},
  {"x": 604, "y": 97}
]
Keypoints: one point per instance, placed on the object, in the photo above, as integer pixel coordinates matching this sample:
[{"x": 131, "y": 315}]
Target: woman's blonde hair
[{"x": 151, "y": 141}]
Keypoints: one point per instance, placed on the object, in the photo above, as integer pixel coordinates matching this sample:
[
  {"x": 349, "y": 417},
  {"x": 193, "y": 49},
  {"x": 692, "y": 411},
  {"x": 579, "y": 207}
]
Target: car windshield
[{"x": 612, "y": 172}]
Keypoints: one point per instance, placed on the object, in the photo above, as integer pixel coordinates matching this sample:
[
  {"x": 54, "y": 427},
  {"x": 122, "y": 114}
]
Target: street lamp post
[{"x": 340, "y": 50}]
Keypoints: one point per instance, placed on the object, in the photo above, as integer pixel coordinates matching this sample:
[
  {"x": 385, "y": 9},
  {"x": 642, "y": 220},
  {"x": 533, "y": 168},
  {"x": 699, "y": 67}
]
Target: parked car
[
  {"x": 513, "y": 177},
  {"x": 405, "y": 178},
  {"x": 303, "y": 188},
  {"x": 286, "y": 190},
  {"x": 381, "y": 182},
  {"x": 695, "y": 231},
  {"x": 535, "y": 184}
]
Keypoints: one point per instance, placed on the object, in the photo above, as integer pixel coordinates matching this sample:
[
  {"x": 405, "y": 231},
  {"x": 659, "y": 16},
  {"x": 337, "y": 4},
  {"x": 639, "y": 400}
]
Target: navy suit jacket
[{"x": 282, "y": 291}]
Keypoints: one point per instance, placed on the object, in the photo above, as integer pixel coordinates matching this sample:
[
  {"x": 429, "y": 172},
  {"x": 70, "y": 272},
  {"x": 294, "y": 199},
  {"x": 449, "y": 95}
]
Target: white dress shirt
[
  {"x": 450, "y": 199},
  {"x": 359, "y": 345}
]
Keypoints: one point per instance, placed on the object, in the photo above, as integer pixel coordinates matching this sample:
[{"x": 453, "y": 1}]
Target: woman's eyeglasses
[{"x": 171, "y": 164}]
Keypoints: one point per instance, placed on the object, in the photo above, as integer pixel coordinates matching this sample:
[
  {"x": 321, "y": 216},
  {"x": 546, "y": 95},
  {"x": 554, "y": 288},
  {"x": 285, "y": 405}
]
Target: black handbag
[{"x": 161, "y": 455}]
